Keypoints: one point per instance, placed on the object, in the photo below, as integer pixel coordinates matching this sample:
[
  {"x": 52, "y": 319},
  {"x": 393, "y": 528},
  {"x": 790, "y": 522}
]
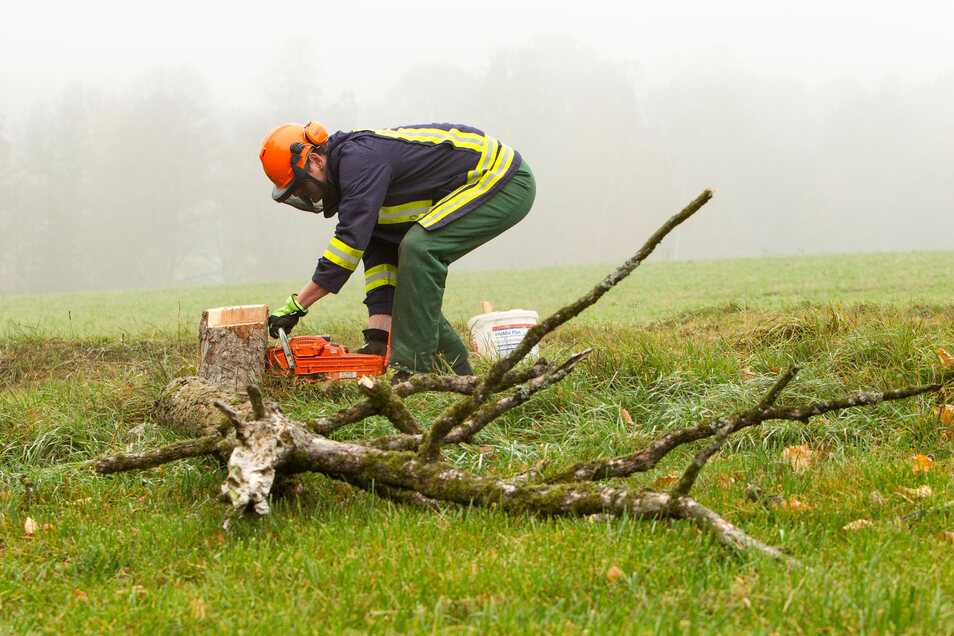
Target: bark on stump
[{"x": 232, "y": 342}]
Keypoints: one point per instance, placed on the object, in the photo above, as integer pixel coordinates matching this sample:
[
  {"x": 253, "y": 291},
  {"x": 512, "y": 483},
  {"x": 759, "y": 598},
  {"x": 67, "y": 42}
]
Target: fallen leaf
[
  {"x": 197, "y": 606},
  {"x": 625, "y": 416},
  {"x": 922, "y": 463},
  {"x": 795, "y": 505},
  {"x": 946, "y": 536},
  {"x": 800, "y": 457},
  {"x": 856, "y": 525},
  {"x": 139, "y": 589},
  {"x": 725, "y": 480},
  {"x": 945, "y": 413},
  {"x": 948, "y": 434},
  {"x": 947, "y": 360},
  {"x": 613, "y": 573},
  {"x": 748, "y": 374},
  {"x": 666, "y": 480},
  {"x": 923, "y": 492},
  {"x": 30, "y": 526},
  {"x": 81, "y": 596}
]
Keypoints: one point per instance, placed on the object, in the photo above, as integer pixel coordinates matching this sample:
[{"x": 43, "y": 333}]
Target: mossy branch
[
  {"x": 389, "y": 404},
  {"x": 463, "y": 385},
  {"x": 149, "y": 459},
  {"x": 647, "y": 459},
  {"x": 561, "y": 316},
  {"x": 267, "y": 445}
]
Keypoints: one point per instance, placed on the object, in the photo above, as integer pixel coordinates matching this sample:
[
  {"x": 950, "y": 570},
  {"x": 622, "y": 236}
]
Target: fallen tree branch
[
  {"x": 264, "y": 445},
  {"x": 389, "y": 404},
  {"x": 730, "y": 536},
  {"x": 207, "y": 445},
  {"x": 463, "y": 385},
  {"x": 490, "y": 382},
  {"x": 647, "y": 459}
]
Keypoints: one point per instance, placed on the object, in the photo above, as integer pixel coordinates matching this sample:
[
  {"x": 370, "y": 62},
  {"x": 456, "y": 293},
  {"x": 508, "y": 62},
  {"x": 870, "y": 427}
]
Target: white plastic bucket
[{"x": 497, "y": 333}]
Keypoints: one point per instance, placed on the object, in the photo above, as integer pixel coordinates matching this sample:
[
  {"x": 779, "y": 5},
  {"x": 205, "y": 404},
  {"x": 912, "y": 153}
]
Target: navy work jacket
[{"x": 388, "y": 180}]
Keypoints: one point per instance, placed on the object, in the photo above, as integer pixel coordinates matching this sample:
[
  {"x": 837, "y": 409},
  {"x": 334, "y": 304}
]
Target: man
[{"x": 410, "y": 201}]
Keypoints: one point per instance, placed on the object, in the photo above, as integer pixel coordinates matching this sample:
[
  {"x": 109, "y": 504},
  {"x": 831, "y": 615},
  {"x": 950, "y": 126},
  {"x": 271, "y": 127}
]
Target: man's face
[{"x": 309, "y": 191}]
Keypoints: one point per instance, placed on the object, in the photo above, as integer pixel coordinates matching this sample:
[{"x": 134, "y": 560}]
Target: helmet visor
[
  {"x": 299, "y": 159},
  {"x": 282, "y": 194}
]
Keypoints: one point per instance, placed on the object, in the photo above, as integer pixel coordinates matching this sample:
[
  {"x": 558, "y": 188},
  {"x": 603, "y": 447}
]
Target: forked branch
[{"x": 263, "y": 444}]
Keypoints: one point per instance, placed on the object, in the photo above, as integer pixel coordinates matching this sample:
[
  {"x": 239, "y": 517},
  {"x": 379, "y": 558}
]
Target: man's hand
[{"x": 286, "y": 317}]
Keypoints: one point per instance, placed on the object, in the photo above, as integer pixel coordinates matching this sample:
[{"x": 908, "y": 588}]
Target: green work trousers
[{"x": 422, "y": 341}]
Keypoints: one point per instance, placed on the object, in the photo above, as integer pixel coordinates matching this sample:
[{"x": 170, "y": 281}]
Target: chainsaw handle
[{"x": 289, "y": 358}]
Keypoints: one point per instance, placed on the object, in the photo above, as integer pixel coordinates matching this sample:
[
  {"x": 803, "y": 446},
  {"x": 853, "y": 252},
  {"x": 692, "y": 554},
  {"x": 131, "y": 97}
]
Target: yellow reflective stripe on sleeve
[
  {"x": 379, "y": 276},
  {"x": 460, "y": 139},
  {"x": 343, "y": 255},
  {"x": 477, "y": 184},
  {"x": 404, "y": 213}
]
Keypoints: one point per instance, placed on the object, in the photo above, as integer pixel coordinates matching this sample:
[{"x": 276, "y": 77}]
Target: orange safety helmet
[{"x": 284, "y": 153}]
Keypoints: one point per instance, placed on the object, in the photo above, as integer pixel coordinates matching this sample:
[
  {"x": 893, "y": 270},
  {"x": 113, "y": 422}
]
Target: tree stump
[{"x": 232, "y": 342}]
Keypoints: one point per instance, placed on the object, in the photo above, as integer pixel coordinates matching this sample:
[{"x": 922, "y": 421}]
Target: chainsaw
[{"x": 316, "y": 358}]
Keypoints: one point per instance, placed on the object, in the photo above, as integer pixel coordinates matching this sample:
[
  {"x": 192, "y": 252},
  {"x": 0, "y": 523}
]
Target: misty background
[{"x": 129, "y": 153}]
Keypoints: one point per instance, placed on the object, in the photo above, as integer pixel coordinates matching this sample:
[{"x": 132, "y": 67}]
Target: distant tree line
[{"x": 160, "y": 185}]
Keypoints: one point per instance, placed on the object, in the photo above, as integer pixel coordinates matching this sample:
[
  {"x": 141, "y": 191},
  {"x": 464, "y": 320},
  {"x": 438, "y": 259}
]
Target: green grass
[
  {"x": 144, "y": 552},
  {"x": 655, "y": 291}
]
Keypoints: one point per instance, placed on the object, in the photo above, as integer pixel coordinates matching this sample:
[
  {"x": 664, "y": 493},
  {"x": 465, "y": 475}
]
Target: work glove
[
  {"x": 376, "y": 342},
  {"x": 286, "y": 317}
]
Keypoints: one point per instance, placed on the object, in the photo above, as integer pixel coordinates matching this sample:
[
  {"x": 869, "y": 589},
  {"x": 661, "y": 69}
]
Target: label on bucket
[
  {"x": 507, "y": 337},
  {"x": 498, "y": 333}
]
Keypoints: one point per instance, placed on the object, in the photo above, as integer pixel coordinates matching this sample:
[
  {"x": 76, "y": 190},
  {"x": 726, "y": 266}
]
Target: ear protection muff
[{"x": 316, "y": 133}]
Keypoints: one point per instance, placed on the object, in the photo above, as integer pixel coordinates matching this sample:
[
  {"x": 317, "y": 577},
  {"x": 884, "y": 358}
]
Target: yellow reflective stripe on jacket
[
  {"x": 379, "y": 276},
  {"x": 470, "y": 141},
  {"x": 342, "y": 254},
  {"x": 479, "y": 182},
  {"x": 404, "y": 213}
]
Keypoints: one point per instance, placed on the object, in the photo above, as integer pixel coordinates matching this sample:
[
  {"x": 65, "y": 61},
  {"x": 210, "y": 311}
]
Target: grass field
[
  {"x": 676, "y": 343},
  {"x": 656, "y": 290}
]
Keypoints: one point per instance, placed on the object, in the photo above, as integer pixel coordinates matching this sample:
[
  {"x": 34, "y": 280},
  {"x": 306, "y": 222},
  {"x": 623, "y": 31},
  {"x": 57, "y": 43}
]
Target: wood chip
[
  {"x": 856, "y": 525},
  {"x": 923, "y": 492}
]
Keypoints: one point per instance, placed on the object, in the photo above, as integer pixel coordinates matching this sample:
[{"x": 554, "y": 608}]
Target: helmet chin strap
[{"x": 329, "y": 198}]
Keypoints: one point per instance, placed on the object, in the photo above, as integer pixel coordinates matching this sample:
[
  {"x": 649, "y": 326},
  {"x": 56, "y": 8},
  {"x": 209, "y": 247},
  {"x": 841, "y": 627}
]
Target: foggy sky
[
  {"x": 822, "y": 126},
  {"x": 46, "y": 46}
]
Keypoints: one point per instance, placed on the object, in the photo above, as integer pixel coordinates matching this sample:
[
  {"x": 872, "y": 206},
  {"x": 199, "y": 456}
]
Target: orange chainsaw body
[{"x": 316, "y": 358}]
